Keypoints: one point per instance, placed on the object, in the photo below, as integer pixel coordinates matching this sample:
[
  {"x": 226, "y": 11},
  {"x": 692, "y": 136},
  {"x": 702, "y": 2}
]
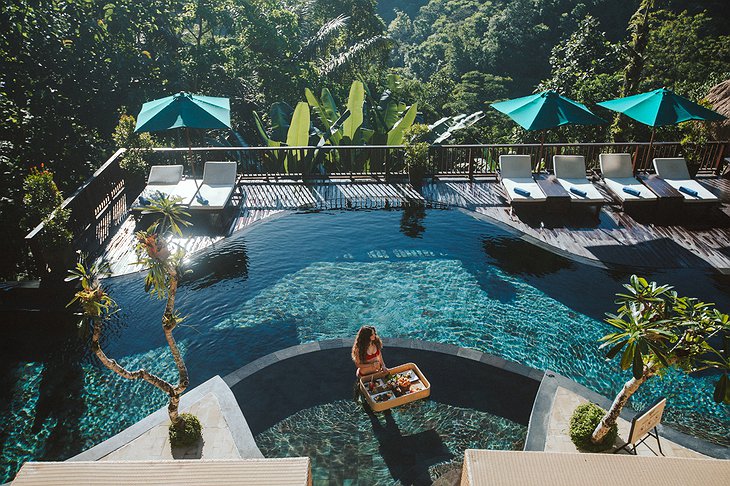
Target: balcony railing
[{"x": 100, "y": 204}]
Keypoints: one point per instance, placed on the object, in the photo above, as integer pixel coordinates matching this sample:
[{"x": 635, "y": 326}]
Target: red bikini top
[{"x": 368, "y": 357}]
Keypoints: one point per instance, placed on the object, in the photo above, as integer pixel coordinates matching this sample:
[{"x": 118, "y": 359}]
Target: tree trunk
[
  {"x": 609, "y": 420},
  {"x": 169, "y": 322},
  {"x": 140, "y": 374}
]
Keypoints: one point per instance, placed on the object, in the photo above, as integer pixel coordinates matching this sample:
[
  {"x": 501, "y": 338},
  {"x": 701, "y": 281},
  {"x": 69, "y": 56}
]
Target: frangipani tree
[
  {"x": 657, "y": 330},
  {"x": 163, "y": 266}
]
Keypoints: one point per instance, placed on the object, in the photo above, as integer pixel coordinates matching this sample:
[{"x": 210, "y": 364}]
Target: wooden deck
[{"x": 614, "y": 239}]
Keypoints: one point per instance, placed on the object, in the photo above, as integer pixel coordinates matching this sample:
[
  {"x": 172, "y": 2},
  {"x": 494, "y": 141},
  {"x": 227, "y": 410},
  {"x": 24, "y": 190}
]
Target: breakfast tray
[{"x": 382, "y": 395}]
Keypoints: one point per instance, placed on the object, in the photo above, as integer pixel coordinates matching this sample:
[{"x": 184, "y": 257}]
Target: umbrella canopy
[
  {"x": 547, "y": 110},
  {"x": 184, "y": 110},
  {"x": 660, "y": 107}
]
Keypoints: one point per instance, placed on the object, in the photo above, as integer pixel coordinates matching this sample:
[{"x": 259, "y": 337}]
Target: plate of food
[{"x": 383, "y": 397}]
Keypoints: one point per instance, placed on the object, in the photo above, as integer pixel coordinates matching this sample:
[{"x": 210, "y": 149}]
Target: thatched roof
[{"x": 719, "y": 98}]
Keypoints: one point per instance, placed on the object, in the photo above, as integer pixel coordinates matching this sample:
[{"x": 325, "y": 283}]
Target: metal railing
[
  {"x": 99, "y": 205},
  {"x": 96, "y": 208}
]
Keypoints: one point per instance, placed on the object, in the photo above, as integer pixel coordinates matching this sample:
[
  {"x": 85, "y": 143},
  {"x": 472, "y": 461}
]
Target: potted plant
[{"x": 416, "y": 153}]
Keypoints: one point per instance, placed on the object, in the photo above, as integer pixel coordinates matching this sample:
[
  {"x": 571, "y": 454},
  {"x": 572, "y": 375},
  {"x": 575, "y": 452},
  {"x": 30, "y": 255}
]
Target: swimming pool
[{"x": 434, "y": 275}]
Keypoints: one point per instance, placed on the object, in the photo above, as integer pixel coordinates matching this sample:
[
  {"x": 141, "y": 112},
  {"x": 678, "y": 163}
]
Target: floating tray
[{"x": 383, "y": 398}]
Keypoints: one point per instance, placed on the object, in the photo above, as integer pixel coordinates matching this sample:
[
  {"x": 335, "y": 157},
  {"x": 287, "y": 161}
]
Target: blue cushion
[
  {"x": 577, "y": 191},
  {"x": 689, "y": 191},
  {"x": 632, "y": 191},
  {"x": 522, "y": 192},
  {"x": 201, "y": 200}
]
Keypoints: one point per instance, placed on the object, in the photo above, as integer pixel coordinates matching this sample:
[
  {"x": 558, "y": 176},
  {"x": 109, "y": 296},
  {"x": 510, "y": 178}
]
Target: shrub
[
  {"x": 138, "y": 145},
  {"x": 188, "y": 433},
  {"x": 41, "y": 198},
  {"x": 416, "y": 150},
  {"x": 584, "y": 421}
]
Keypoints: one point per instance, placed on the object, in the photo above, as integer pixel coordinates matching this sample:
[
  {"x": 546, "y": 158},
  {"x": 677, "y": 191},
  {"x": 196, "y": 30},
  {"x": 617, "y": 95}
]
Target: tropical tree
[
  {"x": 163, "y": 265},
  {"x": 657, "y": 330},
  {"x": 639, "y": 31}
]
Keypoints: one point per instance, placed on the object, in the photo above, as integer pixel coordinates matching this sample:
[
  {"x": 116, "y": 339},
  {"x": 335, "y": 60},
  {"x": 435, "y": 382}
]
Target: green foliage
[
  {"x": 583, "y": 422},
  {"x": 416, "y": 149},
  {"x": 138, "y": 145},
  {"x": 153, "y": 249},
  {"x": 658, "y": 329},
  {"x": 187, "y": 432},
  {"x": 42, "y": 201},
  {"x": 94, "y": 300},
  {"x": 41, "y": 195}
]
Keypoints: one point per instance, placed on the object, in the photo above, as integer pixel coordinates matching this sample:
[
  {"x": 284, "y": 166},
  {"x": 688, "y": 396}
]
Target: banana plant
[
  {"x": 390, "y": 117},
  {"x": 292, "y": 127},
  {"x": 445, "y": 127}
]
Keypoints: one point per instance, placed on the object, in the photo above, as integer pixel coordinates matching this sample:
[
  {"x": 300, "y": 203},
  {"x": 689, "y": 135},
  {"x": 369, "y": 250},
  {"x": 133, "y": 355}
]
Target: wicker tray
[{"x": 383, "y": 399}]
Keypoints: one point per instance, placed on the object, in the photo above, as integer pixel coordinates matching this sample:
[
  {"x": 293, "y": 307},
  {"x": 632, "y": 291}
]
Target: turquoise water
[
  {"x": 438, "y": 275},
  {"x": 348, "y": 446}
]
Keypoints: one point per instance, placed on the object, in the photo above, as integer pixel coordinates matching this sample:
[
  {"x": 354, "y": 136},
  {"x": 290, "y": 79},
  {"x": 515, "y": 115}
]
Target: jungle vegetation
[{"x": 71, "y": 68}]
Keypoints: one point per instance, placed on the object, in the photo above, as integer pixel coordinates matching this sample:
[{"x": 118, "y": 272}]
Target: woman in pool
[{"x": 366, "y": 352}]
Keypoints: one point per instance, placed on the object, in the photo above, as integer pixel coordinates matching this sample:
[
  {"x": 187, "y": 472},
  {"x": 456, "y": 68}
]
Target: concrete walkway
[{"x": 558, "y": 438}]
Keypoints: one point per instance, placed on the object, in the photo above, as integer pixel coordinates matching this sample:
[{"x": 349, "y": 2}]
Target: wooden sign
[{"x": 642, "y": 424}]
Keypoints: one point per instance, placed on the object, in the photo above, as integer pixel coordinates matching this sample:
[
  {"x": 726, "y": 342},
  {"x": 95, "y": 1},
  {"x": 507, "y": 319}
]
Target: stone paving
[
  {"x": 154, "y": 444},
  {"x": 558, "y": 439}
]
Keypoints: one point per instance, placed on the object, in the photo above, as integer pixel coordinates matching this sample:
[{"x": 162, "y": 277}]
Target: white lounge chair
[
  {"x": 167, "y": 180},
  {"x": 219, "y": 182},
  {"x": 516, "y": 175},
  {"x": 618, "y": 175},
  {"x": 674, "y": 172},
  {"x": 570, "y": 172}
]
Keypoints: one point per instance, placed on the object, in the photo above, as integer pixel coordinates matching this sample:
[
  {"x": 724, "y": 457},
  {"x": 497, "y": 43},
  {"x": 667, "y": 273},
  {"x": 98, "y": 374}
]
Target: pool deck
[{"x": 614, "y": 239}]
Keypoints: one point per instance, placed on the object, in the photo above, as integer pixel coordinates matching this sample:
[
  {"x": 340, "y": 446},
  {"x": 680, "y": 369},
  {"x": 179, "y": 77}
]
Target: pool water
[
  {"x": 413, "y": 444},
  {"x": 434, "y": 275}
]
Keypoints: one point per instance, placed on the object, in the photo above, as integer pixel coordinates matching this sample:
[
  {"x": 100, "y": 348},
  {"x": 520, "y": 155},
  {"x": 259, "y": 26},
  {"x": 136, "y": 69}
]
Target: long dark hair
[{"x": 362, "y": 343}]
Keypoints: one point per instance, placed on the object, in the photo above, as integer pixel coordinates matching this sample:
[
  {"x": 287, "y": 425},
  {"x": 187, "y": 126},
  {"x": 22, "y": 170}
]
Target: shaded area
[
  {"x": 227, "y": 261},
  {"x": 58, "y": 349},
  {"x": 304, "y": 381},
  {"x": 408, "y": 457},
  {"x": 411, "y": 221},
  {"x": 660, "y": 253}
]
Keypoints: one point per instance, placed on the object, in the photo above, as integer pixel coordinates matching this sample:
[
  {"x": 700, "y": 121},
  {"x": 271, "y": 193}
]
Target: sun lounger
[
  {"x": 674, "y": 172},
  {"x": 166, "y": 180},
  {"x": 219, "y": 182},
  {"x": 516, "y": 176},
  {"x": 618, "y": 175},
  {"x": 570, "y": 172}
]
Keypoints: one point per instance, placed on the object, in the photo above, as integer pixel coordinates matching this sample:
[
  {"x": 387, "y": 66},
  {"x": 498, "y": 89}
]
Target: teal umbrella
[
  {"x": 546, "y": 110},
  {"x": 184, "y": 110},
  {"x": 660, "y": 107}
]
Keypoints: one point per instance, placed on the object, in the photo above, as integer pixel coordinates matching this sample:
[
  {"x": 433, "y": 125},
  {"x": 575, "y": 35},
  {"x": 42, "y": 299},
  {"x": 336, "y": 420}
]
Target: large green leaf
[
  {"x": 329, "y": 116},
  {"x": 281, "y": 113},
  {"x": 298, "y": 134},
  {"x": 262, "y": 132},
  {"x": 391, "y": 113},
  {"x": 317, "y": 108},
  {"x": 395, "y": 136},
  {"x": 722, "y": 390},
  {"x": 355, "y": 103},
  {"x": 329, "y": 105}
]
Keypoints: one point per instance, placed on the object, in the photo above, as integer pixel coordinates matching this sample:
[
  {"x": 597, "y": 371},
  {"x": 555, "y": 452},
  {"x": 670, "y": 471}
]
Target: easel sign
[{"x": 644, "y": 426}]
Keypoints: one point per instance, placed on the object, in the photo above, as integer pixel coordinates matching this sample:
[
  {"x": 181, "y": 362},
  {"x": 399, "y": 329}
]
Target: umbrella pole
[
  {"x": 651, "y": 145},
  {"x": 190, "y": 154},
  {"x": 539, "y": 159}
]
